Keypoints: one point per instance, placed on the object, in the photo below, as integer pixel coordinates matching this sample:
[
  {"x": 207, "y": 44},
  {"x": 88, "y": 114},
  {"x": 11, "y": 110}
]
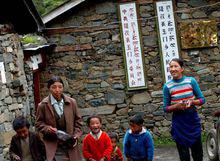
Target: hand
[
  {"x": 17, "y": 158},
  {"x": 52, "y": 130},
  {"x": 181, "y": 106},
  {"x": 103, "y": 159},
  {"x": 75, "y": 141},
  {"x": 129, "y": 159},
  {"x": 71, "y": 142},
  {"x": 189, "y": 103}
]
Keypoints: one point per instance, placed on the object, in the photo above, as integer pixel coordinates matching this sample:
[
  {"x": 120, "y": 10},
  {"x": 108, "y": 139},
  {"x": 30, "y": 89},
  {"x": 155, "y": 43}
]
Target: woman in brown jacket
[{"x": 58, "y": 112}]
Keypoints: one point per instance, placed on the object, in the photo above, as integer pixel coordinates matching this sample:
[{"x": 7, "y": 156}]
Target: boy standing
[
  {"x": 138, "y": 142},
  {"x": 25, "y": 145},
  {"x": 97, "y": 144}
]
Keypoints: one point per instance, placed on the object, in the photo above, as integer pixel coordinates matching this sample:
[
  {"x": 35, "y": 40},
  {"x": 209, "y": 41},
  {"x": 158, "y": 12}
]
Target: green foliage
[
  {"x": 45, "y": 6},
  {"x": 168, "y": 141},
  {"x": 30, "y": 39},
  {"x": 163, "y": 141},
  {"x": 204, "y": 135},
  {"x": 40, "y": 6}
]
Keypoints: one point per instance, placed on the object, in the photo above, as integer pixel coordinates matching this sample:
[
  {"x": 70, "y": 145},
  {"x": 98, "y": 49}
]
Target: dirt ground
[{"x": 171, "y": 154}]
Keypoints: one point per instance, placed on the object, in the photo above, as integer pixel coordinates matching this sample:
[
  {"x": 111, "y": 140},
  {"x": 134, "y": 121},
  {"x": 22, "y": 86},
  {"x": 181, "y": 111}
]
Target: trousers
[{"x": 196, "y": 151}]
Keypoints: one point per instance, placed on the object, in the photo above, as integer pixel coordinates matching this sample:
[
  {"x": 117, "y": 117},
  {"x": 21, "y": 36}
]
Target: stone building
[
  {"x": 89, "y": 57},
  {"x": 18, "y": 76}
]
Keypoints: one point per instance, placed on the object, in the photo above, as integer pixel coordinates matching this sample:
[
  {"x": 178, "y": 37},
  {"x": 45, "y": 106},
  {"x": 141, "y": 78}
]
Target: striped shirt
[
  {"x": 181, "y": 90},
  {"x": 186, "y": 124}
]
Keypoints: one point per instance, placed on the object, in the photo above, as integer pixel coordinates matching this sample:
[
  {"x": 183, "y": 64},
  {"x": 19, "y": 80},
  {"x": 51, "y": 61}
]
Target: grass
[
  {"x": 163, "y": 141},
  {"x": 166, "y": 141}
]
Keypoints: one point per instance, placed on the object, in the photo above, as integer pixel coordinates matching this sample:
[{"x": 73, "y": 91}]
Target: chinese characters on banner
[
  {"x": 132, "y": 46},
  {"x": 2, "y": 73},
  {"x": 167, "y": 30}
]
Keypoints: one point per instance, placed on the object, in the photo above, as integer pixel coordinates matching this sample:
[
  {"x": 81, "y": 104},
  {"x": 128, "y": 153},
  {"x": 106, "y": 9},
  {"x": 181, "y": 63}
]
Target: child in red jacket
[
  {"x": 97, "y": 144},
  {"x": 116, "y": 154}
]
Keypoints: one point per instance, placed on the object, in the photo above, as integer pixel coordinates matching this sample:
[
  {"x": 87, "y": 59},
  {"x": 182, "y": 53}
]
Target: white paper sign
[
  {"x": 39, "y": 58},
  {"x": 132, "y": 45},
  {"x": 2, "y": 73},
  {"x": 168, "y": 38},
  {"x": 35, "y": 60}
]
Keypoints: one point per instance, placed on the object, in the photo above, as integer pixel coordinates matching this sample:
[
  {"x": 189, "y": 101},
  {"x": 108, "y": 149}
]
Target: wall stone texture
[
  {"x": 89, "y": 57},
  {"x": 14, "y": 98}
]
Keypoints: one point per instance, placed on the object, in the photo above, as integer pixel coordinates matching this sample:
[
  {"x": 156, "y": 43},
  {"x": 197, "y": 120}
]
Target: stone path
[{"x": 170, "y": 154}]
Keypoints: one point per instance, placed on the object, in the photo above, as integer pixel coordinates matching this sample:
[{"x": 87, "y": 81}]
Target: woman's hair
[
  {"x": 52, "y": 80},
  {"x": 179, "y": 61},
  {"x": 113, "y": 135},
  {"x": 20, "y": 122},
  {"x": 137, "y": 119},
  {"x": 91, "y": 117}
]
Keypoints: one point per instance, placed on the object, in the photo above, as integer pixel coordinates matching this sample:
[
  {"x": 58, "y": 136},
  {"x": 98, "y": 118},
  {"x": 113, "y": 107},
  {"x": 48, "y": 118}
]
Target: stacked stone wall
[
  {"x": 14, "y": 98},
  {"x": 89, "y": 57}
]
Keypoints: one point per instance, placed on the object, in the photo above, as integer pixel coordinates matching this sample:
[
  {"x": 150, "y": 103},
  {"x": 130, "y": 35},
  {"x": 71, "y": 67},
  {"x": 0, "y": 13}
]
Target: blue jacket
[{"x": 138, "y": 146}]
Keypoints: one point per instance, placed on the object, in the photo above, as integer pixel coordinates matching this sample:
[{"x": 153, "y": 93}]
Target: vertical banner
[
  {"x": 2, "y": 73},
  {"x": 167, "y": 34},
  {"x": 133, "y": 55}
]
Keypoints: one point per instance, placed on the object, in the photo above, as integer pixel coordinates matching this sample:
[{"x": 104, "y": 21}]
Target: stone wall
[
  {"x": 14, "y": 98},
  {"x": 89, "y": 57}
]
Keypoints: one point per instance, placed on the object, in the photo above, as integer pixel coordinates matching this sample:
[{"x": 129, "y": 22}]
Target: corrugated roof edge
[{"x": 60, "y": 10}]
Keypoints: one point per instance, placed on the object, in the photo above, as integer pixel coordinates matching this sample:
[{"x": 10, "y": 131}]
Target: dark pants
[
  {"x": 196, "y": 151},
  {"x": 61, "y": 154}
]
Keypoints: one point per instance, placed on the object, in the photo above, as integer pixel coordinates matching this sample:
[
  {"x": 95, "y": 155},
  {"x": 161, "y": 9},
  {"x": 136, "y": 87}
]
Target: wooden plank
[
  {"x": 67, "y": 48},
  {"x": 65, "y": 30}
]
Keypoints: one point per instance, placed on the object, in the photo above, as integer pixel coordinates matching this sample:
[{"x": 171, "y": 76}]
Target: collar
[
  {"x": 54, "y": 101},
  {"x": 66, "y": 99},
  {"x": 96, "y": 136},
  {"x": 142, "y": 131},
  {"x": 179, "y": 80}
]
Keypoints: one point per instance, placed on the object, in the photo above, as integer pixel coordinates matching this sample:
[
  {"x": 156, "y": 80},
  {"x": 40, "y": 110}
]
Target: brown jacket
[
  {"x": 45, "y": 118},
  {"x": 36, "y": 147}
]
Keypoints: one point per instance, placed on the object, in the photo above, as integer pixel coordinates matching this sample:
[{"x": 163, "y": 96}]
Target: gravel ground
[{"x": 171, "y": 154}]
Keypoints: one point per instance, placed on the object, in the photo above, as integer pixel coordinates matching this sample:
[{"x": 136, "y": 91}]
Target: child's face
[
  {"x": 114, "y": 142},
  {"x": 135, "y": 128},
  {"x": 23, "y": 132},
  {"x": 95, "y": 125}
]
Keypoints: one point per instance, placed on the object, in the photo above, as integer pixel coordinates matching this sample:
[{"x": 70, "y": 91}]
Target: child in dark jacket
[
  {"x": 25, "y": 145},
  {"x": 138, "y": 142},
  {"x": 116, "y": 154}
]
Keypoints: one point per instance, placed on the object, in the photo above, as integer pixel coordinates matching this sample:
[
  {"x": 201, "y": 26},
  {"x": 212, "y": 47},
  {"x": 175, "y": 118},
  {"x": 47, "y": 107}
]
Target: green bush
[
  {"x": 163, "y": 141},
  {"x": 30, "y": 39}
]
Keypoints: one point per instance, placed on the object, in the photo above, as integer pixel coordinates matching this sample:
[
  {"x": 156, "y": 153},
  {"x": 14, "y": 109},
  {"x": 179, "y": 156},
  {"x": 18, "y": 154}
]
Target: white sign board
[
  {"x": 35, "y": 60},
  {"x": 2, "y": 73},
  {"x": 132, "y": 46},
  {"x": 168, "y": 38}
]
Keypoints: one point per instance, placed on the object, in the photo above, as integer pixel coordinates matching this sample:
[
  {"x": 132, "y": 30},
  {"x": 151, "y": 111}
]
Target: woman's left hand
[{"x": 189, "y": 103}]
